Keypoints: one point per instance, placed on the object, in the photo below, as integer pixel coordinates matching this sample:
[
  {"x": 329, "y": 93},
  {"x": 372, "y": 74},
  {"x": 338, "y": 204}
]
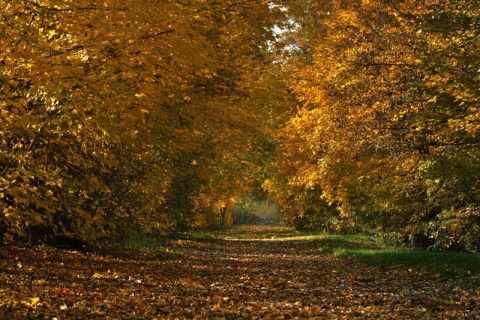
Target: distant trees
[{"x": 250, "y": 210}]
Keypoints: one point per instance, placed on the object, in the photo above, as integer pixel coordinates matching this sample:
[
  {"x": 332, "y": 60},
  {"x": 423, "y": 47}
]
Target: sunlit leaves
[
  {"x": 387, "y": 89},
  {"x": 102, "y": 101}
]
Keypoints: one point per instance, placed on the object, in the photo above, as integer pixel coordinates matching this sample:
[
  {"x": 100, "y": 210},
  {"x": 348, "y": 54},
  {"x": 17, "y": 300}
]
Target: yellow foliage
[{"x": 113, "y": 101}]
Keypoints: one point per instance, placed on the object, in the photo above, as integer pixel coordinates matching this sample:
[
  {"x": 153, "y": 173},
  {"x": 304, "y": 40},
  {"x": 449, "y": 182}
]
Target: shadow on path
[{"x": 223, "y": 279}]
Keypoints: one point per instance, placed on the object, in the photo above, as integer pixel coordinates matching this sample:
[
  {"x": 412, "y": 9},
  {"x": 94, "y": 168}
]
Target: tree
[
  {"x": 390, "y": 101},
  {"x": 105, "y": 106}
]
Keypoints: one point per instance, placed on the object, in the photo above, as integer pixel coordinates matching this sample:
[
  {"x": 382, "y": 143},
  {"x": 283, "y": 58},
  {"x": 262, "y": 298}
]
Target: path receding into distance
[{"x": 222, "y": 279}]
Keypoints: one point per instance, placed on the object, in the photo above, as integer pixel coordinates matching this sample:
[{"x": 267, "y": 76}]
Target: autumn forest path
[{"x": 222, "y": 278}]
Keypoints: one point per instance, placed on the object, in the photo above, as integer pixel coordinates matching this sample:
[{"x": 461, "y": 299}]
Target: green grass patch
[
  {"x": 197, "y": 236},
  {"x": 330, "y": 243},
  {"x": 447, "y": 264},
  {"x": 461, "y": 266}
]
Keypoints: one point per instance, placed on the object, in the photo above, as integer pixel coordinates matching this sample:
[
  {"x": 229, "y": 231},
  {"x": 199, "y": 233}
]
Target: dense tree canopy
[
  {"x": 352, "y": 115},
  {"x": 387, "y": 135},
  {"x": 120, "y": 113}
]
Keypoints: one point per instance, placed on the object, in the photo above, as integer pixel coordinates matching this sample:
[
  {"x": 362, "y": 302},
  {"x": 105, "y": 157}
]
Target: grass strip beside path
[
  {"x": 243, "y": 273},
  {"x": 460, "y": 266}
]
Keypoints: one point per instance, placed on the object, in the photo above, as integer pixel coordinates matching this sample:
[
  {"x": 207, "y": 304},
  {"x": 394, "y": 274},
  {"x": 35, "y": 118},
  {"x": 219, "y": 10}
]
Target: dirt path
[{"x": 221, "y": 279}]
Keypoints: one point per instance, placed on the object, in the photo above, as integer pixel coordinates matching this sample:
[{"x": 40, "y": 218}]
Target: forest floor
[{"x": 238, "y": 275}]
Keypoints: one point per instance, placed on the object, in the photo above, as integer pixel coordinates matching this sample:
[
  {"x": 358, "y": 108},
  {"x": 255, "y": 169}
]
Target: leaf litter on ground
[{"x": 253, "y": 275}]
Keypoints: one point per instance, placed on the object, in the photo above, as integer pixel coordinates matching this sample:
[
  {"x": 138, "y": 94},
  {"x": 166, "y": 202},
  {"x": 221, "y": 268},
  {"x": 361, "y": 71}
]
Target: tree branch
[
  {"x": 78, "y": 9},
  {"x": 148, "y": 36},
  {"x": 384, "y": 64}
]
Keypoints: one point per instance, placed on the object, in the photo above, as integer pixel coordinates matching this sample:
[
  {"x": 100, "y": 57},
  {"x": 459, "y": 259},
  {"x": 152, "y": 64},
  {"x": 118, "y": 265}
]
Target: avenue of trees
[{"x": 121, "y": 118}]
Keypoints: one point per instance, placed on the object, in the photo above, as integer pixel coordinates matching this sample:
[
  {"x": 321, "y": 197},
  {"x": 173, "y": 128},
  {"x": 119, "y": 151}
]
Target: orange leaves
[
  {"x": 64, "y": 291},
  {"x": 110, "y": 97},
  {"x": 383, "y": 88},
  {"x": 275, "y": 277}
]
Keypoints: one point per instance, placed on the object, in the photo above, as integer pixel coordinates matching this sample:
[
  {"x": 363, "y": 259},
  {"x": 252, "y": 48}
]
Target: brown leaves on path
[{"x": 222, "y": 279}]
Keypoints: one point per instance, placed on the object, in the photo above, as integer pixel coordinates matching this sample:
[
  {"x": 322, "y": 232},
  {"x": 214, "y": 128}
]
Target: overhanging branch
[{"x": 78, "y": 8}]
